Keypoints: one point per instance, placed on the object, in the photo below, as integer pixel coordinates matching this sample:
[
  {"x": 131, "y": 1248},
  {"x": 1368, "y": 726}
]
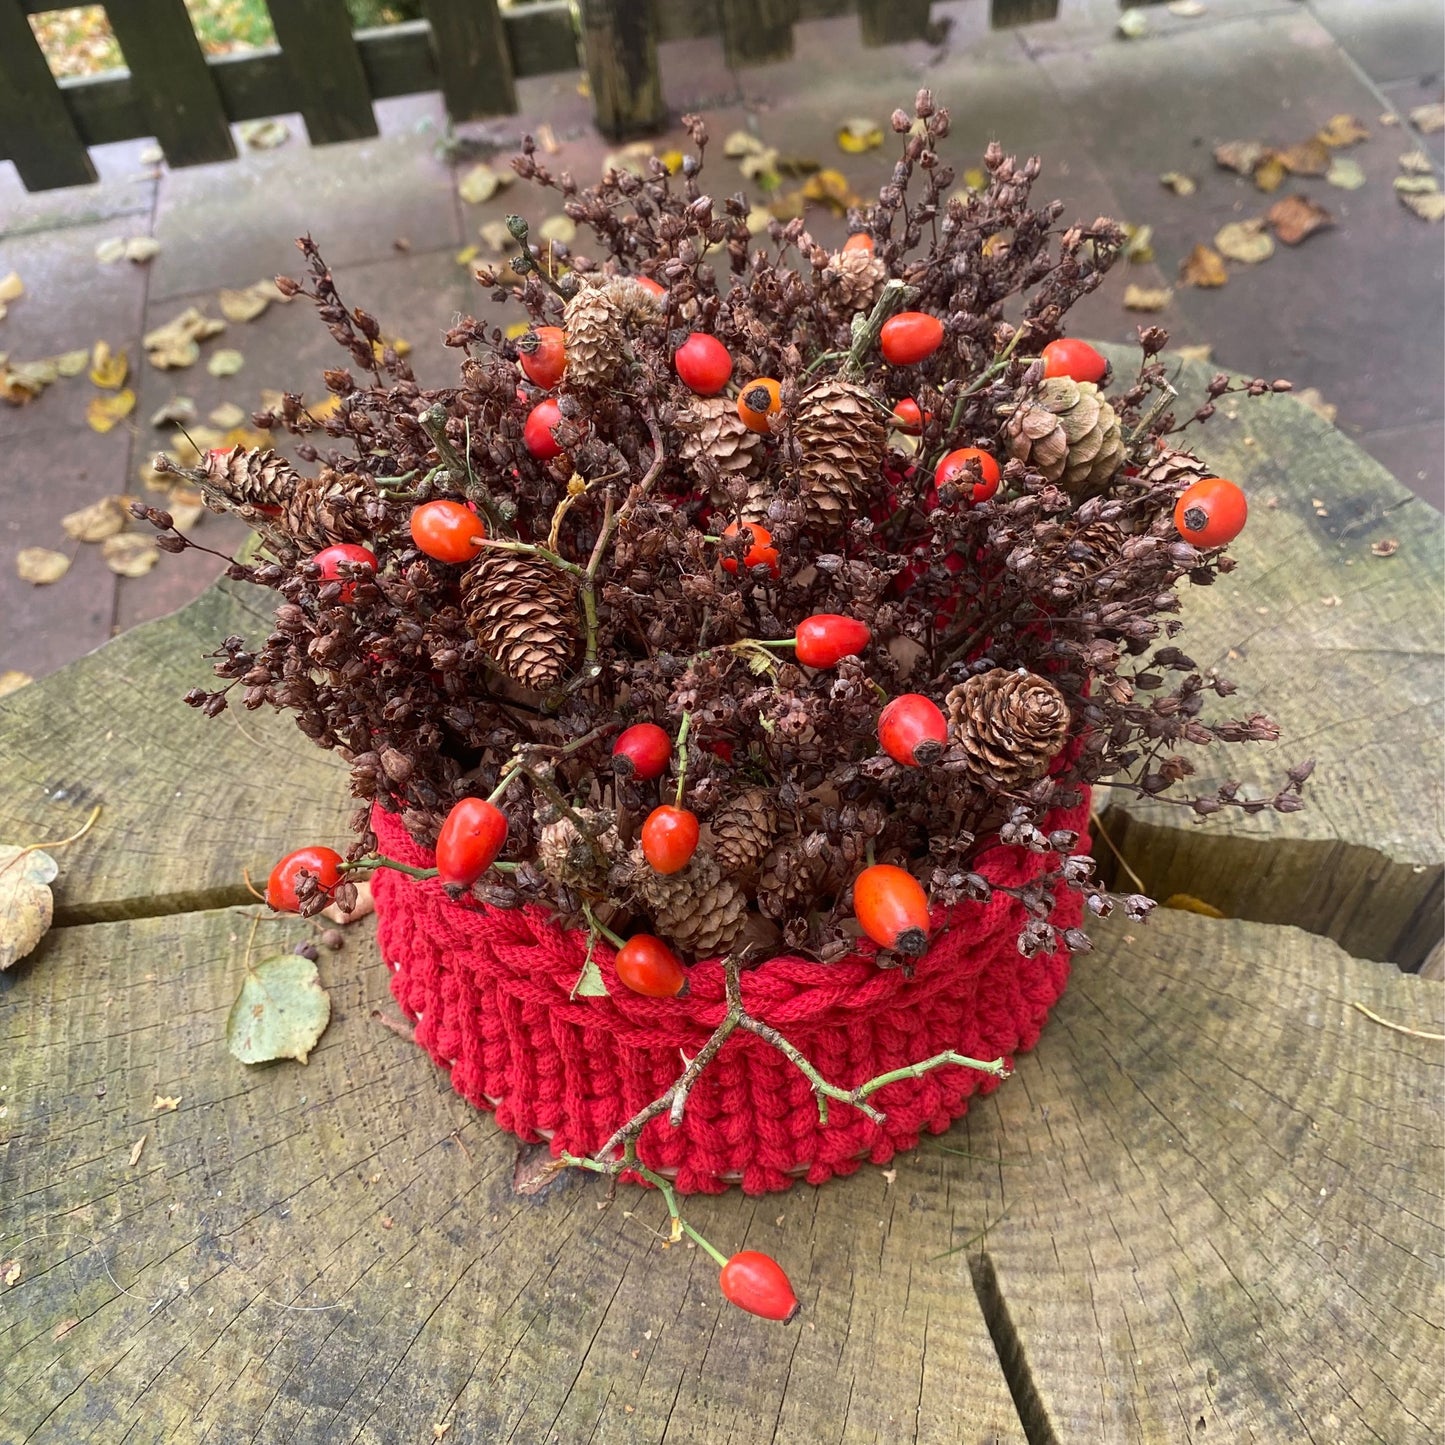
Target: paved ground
[{"x": 1356, "y": 311}]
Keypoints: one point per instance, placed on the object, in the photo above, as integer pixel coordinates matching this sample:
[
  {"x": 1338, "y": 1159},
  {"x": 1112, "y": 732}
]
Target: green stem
[
  {"x": 982, "y": 380},
  {"x": 996, "y": 1067},
  {"x": 434, "y": 423},
  {"x": 822, "y": 1089},
  {"x": 368, "y": 865},
  {"x": 682, "y": 758},
  {"x": 596, "y": 927},
  {"x": 865, "y": 332},
  {"x": 820, "y": 360},
  {"x": 669, "y": 1195}
]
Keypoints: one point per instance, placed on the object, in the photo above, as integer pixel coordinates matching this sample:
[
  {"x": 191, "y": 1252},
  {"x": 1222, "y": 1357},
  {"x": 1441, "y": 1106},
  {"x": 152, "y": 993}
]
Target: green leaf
[
  {"x": 280, "y": 1012},
  {"x": 589, "y": 982}
]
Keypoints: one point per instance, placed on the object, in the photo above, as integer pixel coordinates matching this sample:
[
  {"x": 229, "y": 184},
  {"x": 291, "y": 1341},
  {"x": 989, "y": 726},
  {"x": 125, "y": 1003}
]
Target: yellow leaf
[
  {"x": 559, "y": 229},
  {"x": 1341, "y": 130},
  {"x": 110, "y": 250},
  {"x": 136, "y": 1149},
  {"x": 12, "y": 680},
  {"x": 1269, "y": 174},
  {"x": 975, "y": 179},
  {"x": 467, "y": 255},
  {"x": 1179, "y": 183},
  {"x": 1203, "y": 267},
  {"x": 108, "y": 369},
  {"x": 856, "y": 136},
  {"x": 176, "y": 353},
  {"x": 1143, "y": 298},
  {"x": 759, "y": 219},
  {"x": 72, "y": 363},
  {"x": 741, "y": 143},
  {"x": 327, "y": 408},
  {"x": 225, "y": 416},
  {"x": 12, "y": 288},
  {"x": 40, "y": 565},
  {"x": 672, "y": 160},
  {"x": 1139, "y": 245},
  {"x": 516, "y": 329},
  {"x": 244, "y": 305},
  {"x": 167, "y": 1102},
  {"x": 225, "y": 362},
  {"x": 1188, "y": 903},
  {"x": 481, "y": 183},
  {"x": 398, "y": 344},
  {"x": 105, "y": 411},
  {"x": 1245, "y": 241},
  {"x": 96, "y": 522},
  {"x": 831, "y": 188},
  {"x": 129, "y": 554}
]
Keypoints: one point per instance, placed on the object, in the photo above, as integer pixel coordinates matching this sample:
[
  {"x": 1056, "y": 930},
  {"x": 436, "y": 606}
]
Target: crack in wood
[{"x": 1013, "y": 1361}]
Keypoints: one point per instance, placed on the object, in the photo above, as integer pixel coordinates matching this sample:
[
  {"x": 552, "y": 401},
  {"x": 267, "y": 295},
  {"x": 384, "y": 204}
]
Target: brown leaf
[
  {"x": 1188, "y": 903},
  {"x": 1240, "y": 155},
  {"x": 1203, "y": 267},
  {"x": 1247, "y": 242},
  {"x": 1143, "y": 298},
  {"x": 1309, "y": 158},
  {"x": 131, "y": 554},
  {"x": 136, "y": 1151},
  {"x": 98, "y": 521},
  {"x": 1385, "y": 547},
  {"x": 10, "y": 1272},
  {"x": 1179, "y": 183},
  {"x": 1341, "y": 130},
  {"x": 167, "y": 1102},
  {"x": 104, "y": 412},
  {"x": 40, "y": 565},
  {"x": 1296, "y": 217},
  {"x": 26, "y": 904}
]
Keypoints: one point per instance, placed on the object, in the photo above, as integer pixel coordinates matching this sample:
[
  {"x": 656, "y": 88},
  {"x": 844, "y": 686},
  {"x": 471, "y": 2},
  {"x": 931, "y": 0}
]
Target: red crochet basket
[{"x": 488, "y": 990}]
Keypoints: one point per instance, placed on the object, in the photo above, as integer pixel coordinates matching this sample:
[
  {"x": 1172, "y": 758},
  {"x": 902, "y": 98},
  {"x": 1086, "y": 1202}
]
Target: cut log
[{"x": 1343, "y": 648}]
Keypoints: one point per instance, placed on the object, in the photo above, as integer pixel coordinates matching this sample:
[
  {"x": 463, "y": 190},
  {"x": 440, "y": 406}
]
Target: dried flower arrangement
[{"x": 744, "y": 614}]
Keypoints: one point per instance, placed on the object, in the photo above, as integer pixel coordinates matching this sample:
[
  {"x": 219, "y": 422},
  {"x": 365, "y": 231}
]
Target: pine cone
[
  {"x": 248, "y": 476},
  {"x": 1083, "y": 555},
  {"x": 742, "y": 831},
  {"x": 596, "y": 320},
  {"x": 796, "y": 874},
  {"x": 842, "y": 437},
  {"x": 1009, "y": 726},
  {"x": 329, "y": 508},
  {"x": 523, "y": 612},
  {"x": 1173, "y": 469},
  {"x": 854, "y": 278},
  {"x": 1069, "y": 433},
  {"x": 713, "y": 432},
  {"x": 700, "y": 910},
  {"x": 566, "y": 857}
]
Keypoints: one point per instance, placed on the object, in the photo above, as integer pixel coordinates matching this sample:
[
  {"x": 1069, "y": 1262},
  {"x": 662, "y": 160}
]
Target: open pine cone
[
  {"x": 1008, "y": 726},
  {"x": 1069, "y": 433},
  {"x": 523, "y": 613}
]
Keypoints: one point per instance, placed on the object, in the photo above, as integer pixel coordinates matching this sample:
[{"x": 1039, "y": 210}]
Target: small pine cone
[
  {"x": 254, "y": 476},
  {"x": 1069, "y": 433},
  {"x": 523, "y": 612},
  {"x": 742, "y": 832},
  {"x": 854, "y": 278},
  {"x": 596, "y": 321},
  {"x": 632, "y": 301},
  {"x": 566, "y": 857},
  {"x": 842, "y": 438},
  {"x": 1090, "y": 549},
  {"x": 796, "y": 875},
  {"x": 1008, "y": 725},
  {"x": 712, "y": 431},
  {"x": 1173, "y": 469},
  {"x": 701, "y": 910},
  {"x": 329, "y": 508}
]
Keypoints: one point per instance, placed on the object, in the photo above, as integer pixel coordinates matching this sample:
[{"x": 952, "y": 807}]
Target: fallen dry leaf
[
  {"x": 496, "y": 237},
  {"x": 1386, "y": 547},
  {"x": 1241, "y": 156},
  {"x": 178, "y": 411},
  {"x": 72, "y": 363},
  {"x": 141, "y": 249},
  {"x": 10, "y": 1272},
  {"x": 1194, "y": 353},
  {"x": 1421, "y": 194},
  {"x": 1247, "y": 242},
  {"x": 467, "y": 255},
  {"x": 758, "y": 220},
  {"x": 12, "y": 680},
  {"x": 103, "y": 412},
  {"x": 1187, "y": 9},
  {"x": 227, "y": 415},
  {"x": 856, "y": 136},
  {"x": 561, "y": 230},
  {"x": 831, "y": 188},
  {"x": 227, "y": 361},
  {"x": 1427, "y": 119},
  {"x": 136, "y": 1151},
  {"x": 1134, "y": 24},
  {"x": 1416, "y": 163},
  {"x": 108, "y": 369},
  {"x": 1346, "y": 173},
  {"x": 1188, "y": 903},
  {"x": 280, "y": 1012},
  {"x": 1311, "y": 398},
  {"x": 1269, "y": 174},
  {"x": 1203, "y": 267},
  {"x": 1138, "y": 244},
  {"x": 263, "y": 135},
  {"x": 185, "y": 507},
  {"x": 174, "y": 355},
  {"x": 1144, "y": 298},
  {"x": 98, "y": 521},
  {"x": 166, "y": 1102},
  {"x": 21, "y": 383},
  {"x": 26, "y": 904},
  {"x": 12, "y": 288},
  {"x": 40, "y": 566},
  {"x": 151, "y": 156},
  {"x": 365, "y": 904},
  {"x": 481, "y": 183},
  {"x": 130, "y": 554},
  {"x": 1179, "y": 183},
  {"x": 110, "y": 250},
  {"x": 1341, "y": 130},
  {"x": 1308, "y": 158},
  {"x": 1296, "y": 217},
  {"x": 244, "y": 305}
]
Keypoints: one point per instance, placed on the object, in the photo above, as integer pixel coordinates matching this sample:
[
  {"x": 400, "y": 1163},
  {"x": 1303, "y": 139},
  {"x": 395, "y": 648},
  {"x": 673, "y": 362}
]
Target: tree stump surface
[{"x": 1206, "y": 1208}]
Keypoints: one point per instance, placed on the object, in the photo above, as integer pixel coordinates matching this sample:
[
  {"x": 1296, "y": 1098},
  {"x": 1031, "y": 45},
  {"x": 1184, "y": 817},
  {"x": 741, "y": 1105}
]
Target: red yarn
[{"x": 489, "y": 991}]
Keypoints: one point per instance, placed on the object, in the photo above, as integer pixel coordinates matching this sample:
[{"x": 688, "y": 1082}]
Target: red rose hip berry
[
  {"x": 860, "y": 241},
  {"x": 909, "y": 416},
  {"x": 954, "y": 470},
  {"x": 703, "y": 363},
  {"x": 669, "y": 838},
  {"x": 760, "y": 553},
  {"x": 543, "y": 353},
  {"x": 648, "y": 966},
  {"x": 758, "y": 401},
  {"x": 1075, "y": 359},
  {"x": 826, "y": 638},
  {"x": 331, "y": 559},
  {"x": 447, "y": 531},
  {"x": 755, "y": 1282},
  {"x": 892, "y": 909},
  {"x": 1211, "y": 513},
  {"x": 910, "y": 337},
  {"x": 912, "y": 730},
  {"x": 323, "y": 863},
  {"x": 655, "y": 288},
  {"x": 537, "y": 432},
  {"x": 469, "y": 841},
  {"x": 642, "y": 751}
]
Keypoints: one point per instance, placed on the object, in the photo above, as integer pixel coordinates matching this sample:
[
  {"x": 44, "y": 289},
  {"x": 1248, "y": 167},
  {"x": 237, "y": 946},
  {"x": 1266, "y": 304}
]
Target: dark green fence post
[
  {"x": 620, "y": 41},
  {"x": 885, "y": 22},
  {"x": 40, "y": 134},
  {"x": 755, "y": 31},
  {"x": 470, "y": 44},
  {"x": 1005, "y": 13},
  {"x": 332, "y": 91}
]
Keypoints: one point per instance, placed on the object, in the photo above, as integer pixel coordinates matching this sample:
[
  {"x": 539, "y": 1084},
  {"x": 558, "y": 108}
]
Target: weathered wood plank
[
  {"x": 44, "y": 141},
  {"x": 1223, "y": 1188},
  {"x": 756, "y": 31},
  {"x": 886, "y": 22},
  {"x": 326, "y": 71},
  {"x": 619, "y": 40},
  {"x": 173, "y": 84},
  {"x": 335, "y": 1252},
  {"x": 1343, "y": 649},
  {"x": 470, "y": 45}
]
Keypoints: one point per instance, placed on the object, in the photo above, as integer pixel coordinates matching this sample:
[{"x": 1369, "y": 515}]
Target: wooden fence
[{"x": 470, "y": 50}]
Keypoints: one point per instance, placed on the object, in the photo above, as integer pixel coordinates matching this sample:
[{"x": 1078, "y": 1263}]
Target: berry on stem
[
  {"x": 912, "y": 730},
  {"x": 910, "y": 337},
  {"x": 954, "y": 469},
  {"x": 323, "y": 863},
  {"x": 1075, "y": 359},
  {"x": 860, "y": 241},
  {"x": 755, "y": 1282},
  {"x": 469, "y": 841},
  {"x": 759, "y": 400},
  {"x": 642, "y": 751},
  {"x": 910, "y": 417},
  {"x": 892, "y": 909},
  {"x": 543, "y": 353},
  {"x": 825, "y": 638},
  {"x": 669, "y": 838},
  {"x": 648, "y": 284},
  {"x": 330, "y": 560},
  {"x": 448, "y": 531},
  {"x": 760, "y": 553},
  {"x": 648, "y": 966},
  {"x": 537, "y": 433},
  {"x": 1211, "y": 513},
  {"x": 703, "y": 363}
]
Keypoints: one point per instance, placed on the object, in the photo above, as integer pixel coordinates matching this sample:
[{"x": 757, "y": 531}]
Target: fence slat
[
  {"x": 1002, "y": 14},
  {"x": 315, "y": 36},
  {"x": 172, "y": 84},
  {"x": 470, "y": 44},
  {"x": 619, "y": 38},
  {"x": 755, "y": 31},
  {"x": 885, "y": 22},
  {"x": 41, "y": 136}
]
